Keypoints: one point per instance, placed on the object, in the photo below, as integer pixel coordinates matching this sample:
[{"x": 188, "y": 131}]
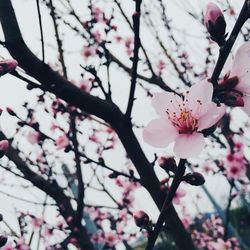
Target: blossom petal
[
  {"x": 165, "y": 100},
  {"x": 159, "y": 133},
  {"x": 246, "y": 106},
  {"x": 213, "y": 115},
  {"x": 241, "y": 68},
  {"x": 198, "y": 96},
  {"x": 187, "y": 146}
]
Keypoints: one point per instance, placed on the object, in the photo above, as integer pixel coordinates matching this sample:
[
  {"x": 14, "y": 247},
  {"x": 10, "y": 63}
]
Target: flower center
[{"x": 183, "y": 119}]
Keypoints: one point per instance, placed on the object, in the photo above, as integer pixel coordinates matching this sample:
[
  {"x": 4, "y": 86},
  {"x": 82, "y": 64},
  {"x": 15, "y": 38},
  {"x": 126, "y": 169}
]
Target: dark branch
[
  {"x": 137, "y": 42},
  {"x": 166, "y": 205}
]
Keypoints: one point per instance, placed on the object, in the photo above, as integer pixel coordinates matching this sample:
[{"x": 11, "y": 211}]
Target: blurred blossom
[
  {"x": 33, "y": 137},
  {"x": 62, "y": 142}
]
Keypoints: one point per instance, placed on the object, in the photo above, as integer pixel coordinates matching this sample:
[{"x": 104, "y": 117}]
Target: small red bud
[
  {"x": 141, "y": 218},
  {"x": 167, "y": 163}
]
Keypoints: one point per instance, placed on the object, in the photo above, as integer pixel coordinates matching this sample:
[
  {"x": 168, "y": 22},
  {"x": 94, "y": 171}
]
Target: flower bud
[
  {"x": 3, "y": 240},
  {"x": 141, "y": 219},
  {"x": 4, "y": 145},
  {"x": 215, "y": 23},
  {"x": 230, "y": 83},
  {"x": 7, "y": 66},
  {"x": 194, "y": 179},
  {"x": 10, "y": 111},
  {"x": 167, "y": 163},
  {"x": 113, "y": 175},
  {"x": 232, "y": 98}
]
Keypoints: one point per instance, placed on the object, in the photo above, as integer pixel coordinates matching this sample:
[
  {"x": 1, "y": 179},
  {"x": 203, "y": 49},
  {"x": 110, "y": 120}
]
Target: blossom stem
[
  {"x": 227, "y": 46},
  {"x": 166, "y": 205}
]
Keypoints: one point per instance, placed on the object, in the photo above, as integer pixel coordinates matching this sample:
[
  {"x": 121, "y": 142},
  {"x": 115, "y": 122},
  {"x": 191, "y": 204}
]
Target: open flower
[
  {"x": 240, "y": 73},
  {"x": 182, "y": 119}
]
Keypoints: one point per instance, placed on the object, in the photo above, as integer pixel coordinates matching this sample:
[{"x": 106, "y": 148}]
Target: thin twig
[
  {"x": 41, "y": 29},
  {"x": 136, "y": 22},
  {"x": 58, "y": 40},
  {"x": 168, "y": 201}
]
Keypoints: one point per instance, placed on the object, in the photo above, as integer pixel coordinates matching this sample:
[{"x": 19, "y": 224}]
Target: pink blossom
[
  {"x": 178, "y": 195},
  {"x": 53, "y": 127},
  {"x": 235, "y": 170},
  {"x": 8, "y": 246},
  {"x": 182, "y": 119},
  {"x": 211, "y": 14},
  {"x": 97, "y": 14},
  {"x": 129, "y": 43},
  {"x": 4, "y": 145},
  {"x": 241, "y": 69},
  {"x": 88, "y": 51},
  {"x": 118, "y": 38},
  {"x": 98, "y": 37},
  {"x": 48, "y": 232},
  {"x": 111, "y": 238},
  {"x": 186, "y": 220},
  {"x": 85, "y": 85},
  {"x": 219, "y": 245},
  {"x": 33, "y": 137},
  {"x": 21, "y": 245},
  {"x": 160, "y": 67},
  {"x": 37, "y": 222},
  {"x": 62, "y": 142},
  {"x": 7, "y": 66}
]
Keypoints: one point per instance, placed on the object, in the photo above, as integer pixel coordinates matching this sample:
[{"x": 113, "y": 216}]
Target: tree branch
[
  {"x": 137, "y": 42},
  {"x": 166, "y": 205}
]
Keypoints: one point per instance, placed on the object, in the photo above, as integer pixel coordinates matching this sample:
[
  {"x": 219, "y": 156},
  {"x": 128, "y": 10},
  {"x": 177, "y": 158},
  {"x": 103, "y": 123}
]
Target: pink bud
[
  {"x": 212, "y": 12},
  {"x": 215, "y": 23},
  {"x": 167, "y": 163},
  {"x": 7, "y": 66},
  {"x": 4, "y": 145}
]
